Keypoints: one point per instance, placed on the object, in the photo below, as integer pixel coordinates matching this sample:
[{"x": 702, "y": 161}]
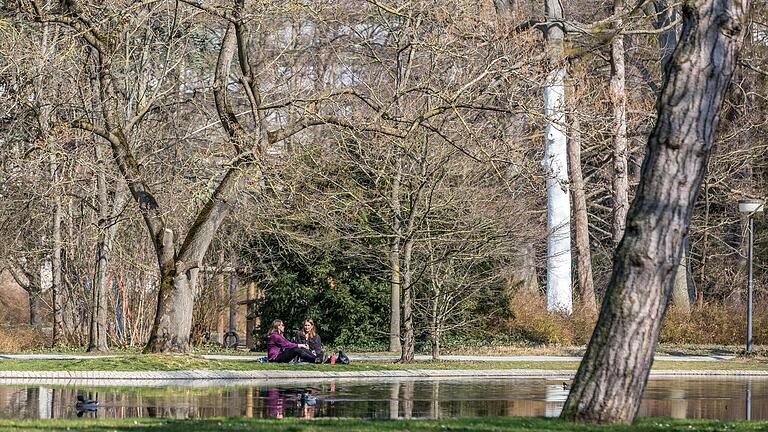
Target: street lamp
[{"x": 749, "y": 207}]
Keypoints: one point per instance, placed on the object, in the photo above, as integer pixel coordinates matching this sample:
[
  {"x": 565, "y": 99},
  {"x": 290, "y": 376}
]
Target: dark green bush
[{"x": 348, "y": 307}]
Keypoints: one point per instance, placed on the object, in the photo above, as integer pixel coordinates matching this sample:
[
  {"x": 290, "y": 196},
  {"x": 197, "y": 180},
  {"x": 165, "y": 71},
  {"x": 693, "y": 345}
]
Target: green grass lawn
[
  {"x": 484, "y": 424},
  {"x": 158, "y": 362}
]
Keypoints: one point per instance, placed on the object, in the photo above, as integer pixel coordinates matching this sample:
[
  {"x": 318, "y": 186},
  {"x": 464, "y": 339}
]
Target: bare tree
[
  {"x": 613, "y": 374},
  {"x": 580, "y": 220},
  {"x": 108, "y": 225}
]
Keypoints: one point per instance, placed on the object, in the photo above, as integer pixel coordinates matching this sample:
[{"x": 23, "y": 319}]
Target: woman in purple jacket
[{"x": 281, "y": 350}]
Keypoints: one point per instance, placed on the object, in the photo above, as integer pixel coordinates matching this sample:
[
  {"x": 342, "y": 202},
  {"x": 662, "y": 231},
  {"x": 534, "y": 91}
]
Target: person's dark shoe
[{"x": 318, "y": 360}]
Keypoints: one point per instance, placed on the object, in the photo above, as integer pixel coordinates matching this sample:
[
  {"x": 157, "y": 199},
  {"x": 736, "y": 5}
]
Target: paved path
[
  {"x": 376, "y": 357},
  {"x": 53, "y": 356},
  {"x": 532, "y": 359}
]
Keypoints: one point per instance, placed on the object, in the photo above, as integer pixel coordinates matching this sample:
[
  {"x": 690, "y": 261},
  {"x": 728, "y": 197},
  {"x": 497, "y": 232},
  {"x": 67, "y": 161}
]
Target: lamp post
[{"x": 749, "y": 207}]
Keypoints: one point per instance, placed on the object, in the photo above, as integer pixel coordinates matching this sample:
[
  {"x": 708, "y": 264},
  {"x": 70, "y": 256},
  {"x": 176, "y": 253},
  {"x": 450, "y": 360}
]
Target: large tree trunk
[
  {"x": 173, "y": 319},
  {"x": 613, "y": 374},
  {"x": 559, "y": 295},
  {"x": 581, "y": 222},
  {"x": 619, "y": 101}
]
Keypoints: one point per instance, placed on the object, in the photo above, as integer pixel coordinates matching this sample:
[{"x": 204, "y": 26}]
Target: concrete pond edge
[{"x": 224, "y": 377}]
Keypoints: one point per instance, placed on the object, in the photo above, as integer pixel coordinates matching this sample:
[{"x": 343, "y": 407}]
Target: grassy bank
[
  {"x": 295, "y": 425},
  {"x": 157, "y": 362}
]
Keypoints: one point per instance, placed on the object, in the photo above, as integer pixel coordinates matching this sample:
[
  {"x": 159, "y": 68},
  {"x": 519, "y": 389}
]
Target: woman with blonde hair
[{"x": 281, "y": 350}]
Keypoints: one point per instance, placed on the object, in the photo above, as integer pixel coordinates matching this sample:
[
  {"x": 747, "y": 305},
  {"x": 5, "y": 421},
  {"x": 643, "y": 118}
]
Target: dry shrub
[
  {"x": 712, "y": 324},
  {"x": 531, "y": 322},
  {"x": 19, "y": 338}
]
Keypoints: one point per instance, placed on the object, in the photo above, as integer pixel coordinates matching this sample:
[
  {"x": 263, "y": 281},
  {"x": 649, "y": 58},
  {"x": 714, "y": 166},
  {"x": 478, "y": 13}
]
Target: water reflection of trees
[{"x": 703, "y": 398}]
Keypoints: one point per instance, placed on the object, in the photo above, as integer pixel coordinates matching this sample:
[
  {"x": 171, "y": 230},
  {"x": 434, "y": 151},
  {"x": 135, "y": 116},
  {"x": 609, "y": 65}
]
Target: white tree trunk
[{"x": 559, "y": 294}]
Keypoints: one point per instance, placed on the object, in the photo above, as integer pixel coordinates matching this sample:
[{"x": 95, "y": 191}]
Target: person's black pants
[{"x": 288, "y": 355}]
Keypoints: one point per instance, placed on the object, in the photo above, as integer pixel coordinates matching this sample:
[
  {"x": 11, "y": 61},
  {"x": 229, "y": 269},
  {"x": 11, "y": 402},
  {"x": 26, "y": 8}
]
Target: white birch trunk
[{"x": 559, "y": 293}]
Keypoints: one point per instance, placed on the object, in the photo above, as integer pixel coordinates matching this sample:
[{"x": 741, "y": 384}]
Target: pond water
[{"x": 703, "y": 397}]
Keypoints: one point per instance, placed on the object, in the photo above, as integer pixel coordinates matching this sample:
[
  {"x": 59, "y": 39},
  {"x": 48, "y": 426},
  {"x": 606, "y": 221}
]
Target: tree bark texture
[
  {"x": 173, "y": 318},
  {"x": 559, "y": 294},
  {"x": 409, "y": 339},
  {"x": 97, "y": 333},
  {"x": 108, "y": 225},
  {"x": 619, "y": 102},
  {"x": 57, "y": 287},
  {"x": 581, "y": 222},
  {"x": 611, "y": 378},
  {"x": 680, "y": 297},
  {"x": 394, "y": 262},
  {"x": 394, "y": 296},
  {"x": 415, "y": 199},
  {"x": 35, "y": 317}
]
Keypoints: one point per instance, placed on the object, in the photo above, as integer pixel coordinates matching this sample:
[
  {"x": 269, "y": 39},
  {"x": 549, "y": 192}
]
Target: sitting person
[
  {"x": 308, "y": 335},
  {"x": 281, "y": 350}
]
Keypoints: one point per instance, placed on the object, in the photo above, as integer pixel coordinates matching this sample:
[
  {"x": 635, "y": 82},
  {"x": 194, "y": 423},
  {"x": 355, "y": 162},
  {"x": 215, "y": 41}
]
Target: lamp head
[{"x": 749, "y": 206}]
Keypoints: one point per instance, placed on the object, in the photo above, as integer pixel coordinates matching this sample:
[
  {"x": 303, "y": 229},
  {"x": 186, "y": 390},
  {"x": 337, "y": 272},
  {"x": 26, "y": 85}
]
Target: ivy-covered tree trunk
[{"x": 613, "y": 374}]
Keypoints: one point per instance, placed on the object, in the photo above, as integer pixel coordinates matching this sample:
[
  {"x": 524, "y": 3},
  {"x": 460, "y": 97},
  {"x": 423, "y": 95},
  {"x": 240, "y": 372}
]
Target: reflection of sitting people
[
  {"x": 275, "y": 403},
  {"x": 308, "y": 335},
  {"x": 308, "y": 402},
  {"x": 84, "y": 405},
  {"x": 281, "y": 350}
]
